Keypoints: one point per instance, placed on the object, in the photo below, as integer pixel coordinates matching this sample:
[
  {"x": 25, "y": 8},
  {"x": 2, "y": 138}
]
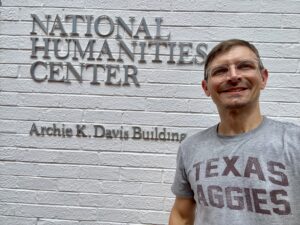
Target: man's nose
[{"x": 233, "y": 73}]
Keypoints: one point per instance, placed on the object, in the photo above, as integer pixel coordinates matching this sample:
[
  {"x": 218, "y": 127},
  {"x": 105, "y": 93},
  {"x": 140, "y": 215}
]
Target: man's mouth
[{"x": 235, "y": 89}]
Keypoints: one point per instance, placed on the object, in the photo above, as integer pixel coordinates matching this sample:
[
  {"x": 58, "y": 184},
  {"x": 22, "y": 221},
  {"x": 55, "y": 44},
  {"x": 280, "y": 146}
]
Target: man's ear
[
  {"x": 205, "y": 88},
  {"x": 264, "y": 76}
]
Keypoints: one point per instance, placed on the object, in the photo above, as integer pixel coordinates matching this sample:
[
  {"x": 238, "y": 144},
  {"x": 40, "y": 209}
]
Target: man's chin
[{"x": 235, "y": 105}]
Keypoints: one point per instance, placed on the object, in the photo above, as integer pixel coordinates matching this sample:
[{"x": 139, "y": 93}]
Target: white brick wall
[{"x": 98, "y": 181}]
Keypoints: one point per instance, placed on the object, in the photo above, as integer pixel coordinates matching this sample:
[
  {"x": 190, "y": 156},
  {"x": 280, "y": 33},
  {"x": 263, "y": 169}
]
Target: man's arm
[{"x": 183, "y": 212}]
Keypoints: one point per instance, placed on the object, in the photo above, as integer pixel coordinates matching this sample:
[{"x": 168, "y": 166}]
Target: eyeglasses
[{"x": 242, "y": 67}]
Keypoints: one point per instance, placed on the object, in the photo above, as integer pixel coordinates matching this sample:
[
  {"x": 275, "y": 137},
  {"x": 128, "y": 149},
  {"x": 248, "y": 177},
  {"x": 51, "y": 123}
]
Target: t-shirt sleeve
[{"x": 181, "y": 186}]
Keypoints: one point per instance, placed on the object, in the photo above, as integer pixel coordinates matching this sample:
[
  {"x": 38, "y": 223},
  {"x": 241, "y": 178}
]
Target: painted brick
[
  {"x": 168, "y": 176},
  {"x": 192, "y": 91},
  {"x": 169, "y": 204},
  {"x": 115, "y": 187},
  {"x": 26, "y": 155},
  {"x": 281, "y": 7},
  {"x": 140, "y": 175},
  {"x": 202, "y": 106},
  {"x": 140, "y": 4},
  {"x": 44, "y": 170},
  {"x": 8, "y": 181},
  {"x": 170, "y": 119},
  {"x": 57, "y": 198},
  {"x": 79, "y": 185},
  {"x": 103, "y": 223},
  {"x": 56, "y": 222},
  {"x": 278, "y": 50},
  {"x": 166, "y": 105},
  {"x": 251, "y": 34},
  {"x": 157, "y": 190},
  {"x": 284, "y": 80},
  {"x": 29, "y": 183},
  {"x": 141, "y": 202},
  {"x": 172, "y": 77},
  {"x": 51, "y": 212},
  {"x": 9, "y": 13},
  {"x": 245, "y": 6},
  {"x": 219, "y": 19},
  {"x": 137, "y": 160},
  {"x": 291, "y": 21},
  {"x": 7, "y": 70},
  {"x": 282, "y": 65},
  {"x": 281, "y": 95},
  {"x": 107, "y": 4},
  {"x": 285, "y": 109},
  {"x": 99, "y": 115},
  {"x": 8, "y": 99},
  {"x": 152, "y": 147},
  {"x": 287, "y": 119},
  {"x": 40, "y": 114},
  {"x": 115, "y": 215},
  {"x": 73, "y": 101},
  {"x": 11, "y": 220},
  {"x": 16, "y": 42},
  {"x": 16, "y": 168},
  {"x": 25, "y": 12},
  {"x": 100, "y": 200},
  {"x": 99, "y": 172},
  {"x": 22, "y": 28},
  {"x": 155, "y": 217},
  {"x": 19, "y": 196},
  {"x": 153, "y": 90},
  {"x": 43, "y": 3}
]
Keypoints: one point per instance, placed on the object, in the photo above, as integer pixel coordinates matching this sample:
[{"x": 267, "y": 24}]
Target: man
[{"x": 246, "y": 169}]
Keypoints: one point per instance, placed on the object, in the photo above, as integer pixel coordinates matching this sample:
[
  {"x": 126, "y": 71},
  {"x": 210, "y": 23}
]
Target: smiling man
[{"x": 246, "y": 169}]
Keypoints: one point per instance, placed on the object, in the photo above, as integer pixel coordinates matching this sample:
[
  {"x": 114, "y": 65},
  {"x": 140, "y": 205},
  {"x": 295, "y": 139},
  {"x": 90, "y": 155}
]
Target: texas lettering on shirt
[{"x": 273, "y": 199}]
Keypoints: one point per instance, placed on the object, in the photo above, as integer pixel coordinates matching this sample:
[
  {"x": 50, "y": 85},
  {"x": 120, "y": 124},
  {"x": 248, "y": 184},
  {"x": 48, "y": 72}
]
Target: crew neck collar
[{"x": 242, "y": 135}]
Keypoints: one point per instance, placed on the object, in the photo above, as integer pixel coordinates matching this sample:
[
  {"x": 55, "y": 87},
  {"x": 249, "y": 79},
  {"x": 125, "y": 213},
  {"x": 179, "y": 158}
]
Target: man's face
[{"x": 234, "y": 79}]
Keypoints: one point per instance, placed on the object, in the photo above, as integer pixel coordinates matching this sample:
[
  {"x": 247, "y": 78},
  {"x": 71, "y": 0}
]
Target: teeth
[{"x": 235, "y": 90}]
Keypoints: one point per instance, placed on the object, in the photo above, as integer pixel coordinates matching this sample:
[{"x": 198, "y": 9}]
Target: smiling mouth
[{"x": 235, "y": 90}]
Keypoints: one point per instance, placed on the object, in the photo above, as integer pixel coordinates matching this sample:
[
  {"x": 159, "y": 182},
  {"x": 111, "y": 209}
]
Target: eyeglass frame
[{"x": 260, "y": 66}]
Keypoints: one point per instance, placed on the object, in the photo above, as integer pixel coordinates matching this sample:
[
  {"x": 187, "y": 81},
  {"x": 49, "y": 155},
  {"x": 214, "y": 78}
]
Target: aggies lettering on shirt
[{"x": 259, "y": 200}]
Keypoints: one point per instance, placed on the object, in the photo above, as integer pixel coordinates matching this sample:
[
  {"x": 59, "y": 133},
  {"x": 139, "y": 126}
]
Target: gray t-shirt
[{"x": 249, "y": 179}]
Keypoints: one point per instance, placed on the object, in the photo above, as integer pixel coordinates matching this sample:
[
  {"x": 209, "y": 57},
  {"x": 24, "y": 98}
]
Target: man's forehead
[{"x": 234, "y": 54}]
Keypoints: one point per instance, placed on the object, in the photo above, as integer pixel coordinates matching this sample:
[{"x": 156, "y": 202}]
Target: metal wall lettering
[{"x": 71, "y": 49}]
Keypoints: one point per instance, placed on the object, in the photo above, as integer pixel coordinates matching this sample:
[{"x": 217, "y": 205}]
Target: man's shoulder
[
  {"x": 197, "y": 142},
  {"x": 200, "y": 136},
  {"x": 284, "y": 125},
  {"x": 286, "y": 131}
]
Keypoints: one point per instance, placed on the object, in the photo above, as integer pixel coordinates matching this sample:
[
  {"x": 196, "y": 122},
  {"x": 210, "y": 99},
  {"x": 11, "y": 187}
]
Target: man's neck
[{"x": 239, "y": 121}]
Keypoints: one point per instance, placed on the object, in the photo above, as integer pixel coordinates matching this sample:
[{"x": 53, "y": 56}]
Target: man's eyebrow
[{"x": 238, "y": 60}]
